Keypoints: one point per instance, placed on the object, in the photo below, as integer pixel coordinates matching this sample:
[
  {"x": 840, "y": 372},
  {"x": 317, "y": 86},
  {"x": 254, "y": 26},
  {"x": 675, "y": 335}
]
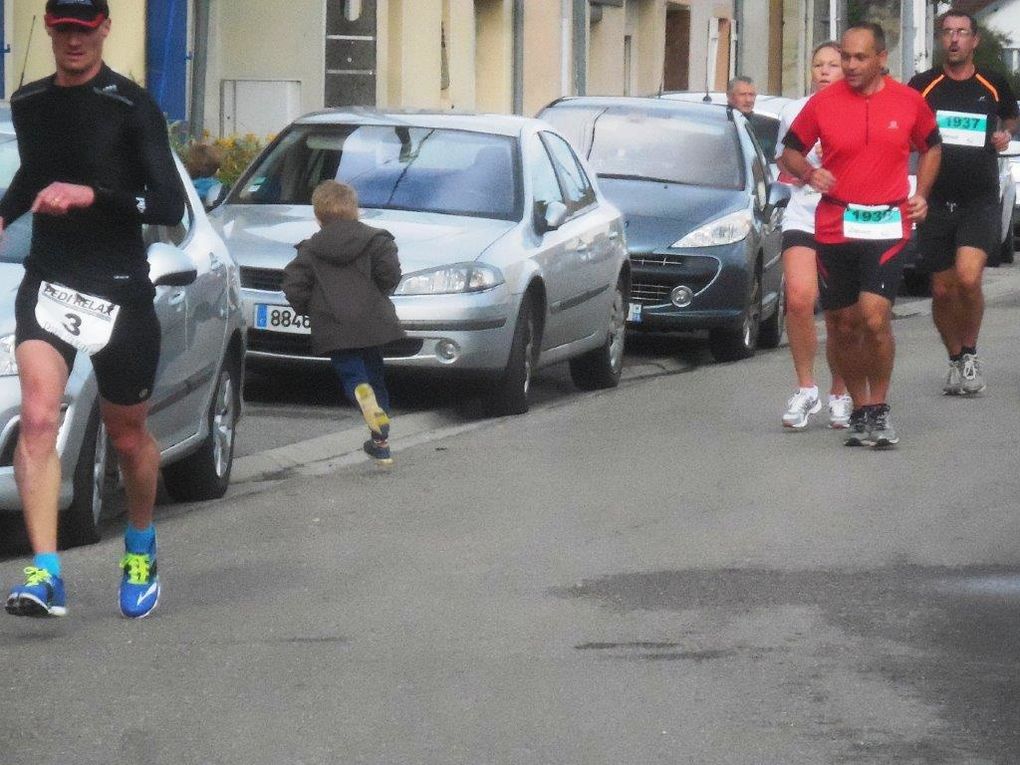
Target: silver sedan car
[
  {"x": 511, "y": 256},
  {"x": 196, "y": 402}
]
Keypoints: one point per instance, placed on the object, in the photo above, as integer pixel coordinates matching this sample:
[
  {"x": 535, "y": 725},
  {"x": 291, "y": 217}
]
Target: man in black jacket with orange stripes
[{"x": 976, "y": 111}]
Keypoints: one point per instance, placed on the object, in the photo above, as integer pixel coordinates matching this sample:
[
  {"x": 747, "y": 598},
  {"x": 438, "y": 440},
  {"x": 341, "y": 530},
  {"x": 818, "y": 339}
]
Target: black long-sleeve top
[{"x": 108, "y": 134}]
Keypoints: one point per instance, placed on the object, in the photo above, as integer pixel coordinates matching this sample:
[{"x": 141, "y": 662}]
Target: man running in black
[
  {"x": 95, "y": 165},
  {"x": 976, "y": 111}
]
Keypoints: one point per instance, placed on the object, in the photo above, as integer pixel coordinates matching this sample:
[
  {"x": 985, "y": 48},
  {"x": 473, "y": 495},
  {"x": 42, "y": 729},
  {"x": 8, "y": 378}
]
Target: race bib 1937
[
  {"x": 85, "y": 321},
  {"x": 962, "y": 128},
  {"x": 872, "y": 222}
]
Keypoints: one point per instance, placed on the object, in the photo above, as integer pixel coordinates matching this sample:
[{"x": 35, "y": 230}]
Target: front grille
[
  {"x": 269, "y": 279},
  {"x": 658, "y": 273},
  {"x": 649, "y": 293},
  {"x": 301, "y": 345}
]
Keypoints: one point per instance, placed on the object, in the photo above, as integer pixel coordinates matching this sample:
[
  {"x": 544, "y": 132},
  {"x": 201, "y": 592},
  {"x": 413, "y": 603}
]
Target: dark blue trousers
[{"x": 361, "y": 365}]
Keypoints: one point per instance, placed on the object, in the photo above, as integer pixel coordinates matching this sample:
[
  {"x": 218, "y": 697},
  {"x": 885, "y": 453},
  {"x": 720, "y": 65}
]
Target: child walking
[{"x": 341, "y": 279}]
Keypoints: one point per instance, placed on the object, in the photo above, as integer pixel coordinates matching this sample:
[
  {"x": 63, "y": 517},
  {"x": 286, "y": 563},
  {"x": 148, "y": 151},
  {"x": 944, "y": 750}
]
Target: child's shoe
[
  {"x": 379, "y": 450},
  {"x": 378, "y": 421}
]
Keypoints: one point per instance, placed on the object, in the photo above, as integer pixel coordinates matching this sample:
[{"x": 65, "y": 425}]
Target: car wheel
[
  {"x": 771, "y": 333},
  {"x": 602, "y": 367},
  {"x": 79, "y": 523},
  {"x": 1008, "y": 253},
  {"x": 205, "y": 474},
  {"x": 511, "y": 392},
  {"x": 740, "y": 342}
]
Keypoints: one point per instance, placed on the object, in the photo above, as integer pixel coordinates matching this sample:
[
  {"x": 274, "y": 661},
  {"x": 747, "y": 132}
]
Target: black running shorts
[
  {"x": 125, "y": 368},
  {"x": 949, "y": 226},
  {"x": 797, "y": 238},
  {"x": 846, "y": 270}
]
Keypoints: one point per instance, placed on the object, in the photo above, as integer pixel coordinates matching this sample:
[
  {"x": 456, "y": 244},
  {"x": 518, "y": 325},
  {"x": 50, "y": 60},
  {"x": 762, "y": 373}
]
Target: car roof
[
  {"x": 650, "y": 104},
  {"x": 497, "y": 124},
  {"x": 769, "y": 106}
]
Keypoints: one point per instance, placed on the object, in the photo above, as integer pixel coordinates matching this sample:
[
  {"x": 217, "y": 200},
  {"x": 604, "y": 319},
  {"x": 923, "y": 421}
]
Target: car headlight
[
  {"x": 8, "y": 365},
  {"x": 447, "y": 280},
  {"x": 725, "y": 230}
]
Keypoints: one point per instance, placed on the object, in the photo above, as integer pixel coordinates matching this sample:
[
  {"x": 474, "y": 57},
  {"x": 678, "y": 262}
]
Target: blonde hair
[{"x": 333, "y": 201}]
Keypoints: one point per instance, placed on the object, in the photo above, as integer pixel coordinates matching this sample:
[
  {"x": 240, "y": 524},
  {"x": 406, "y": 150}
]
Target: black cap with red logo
[{"x": 85, "y": 13}]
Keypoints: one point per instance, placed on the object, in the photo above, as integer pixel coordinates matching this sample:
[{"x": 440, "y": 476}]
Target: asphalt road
[{"x": 655, "y": 574}]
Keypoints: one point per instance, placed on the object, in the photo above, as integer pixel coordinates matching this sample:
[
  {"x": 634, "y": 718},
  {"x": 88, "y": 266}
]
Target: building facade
[{"x": 232, "y": 67}]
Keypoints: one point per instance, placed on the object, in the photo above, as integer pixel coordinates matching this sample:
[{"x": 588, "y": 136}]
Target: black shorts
[
  {"x": 847, "y": 270},
  {"x": 796, "y": 238},
  {"x": 125, "y": 368},
  {"x": 949, "y": 226}
]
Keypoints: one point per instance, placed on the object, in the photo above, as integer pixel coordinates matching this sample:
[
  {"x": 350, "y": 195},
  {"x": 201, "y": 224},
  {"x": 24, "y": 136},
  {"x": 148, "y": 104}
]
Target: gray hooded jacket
[{"x": 341, "y": 279}]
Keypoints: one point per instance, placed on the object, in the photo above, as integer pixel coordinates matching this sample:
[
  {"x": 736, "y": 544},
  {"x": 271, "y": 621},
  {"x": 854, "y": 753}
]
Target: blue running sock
[
  {"x": 139, "y": 542},
  {"x": 48, "y": 561}
]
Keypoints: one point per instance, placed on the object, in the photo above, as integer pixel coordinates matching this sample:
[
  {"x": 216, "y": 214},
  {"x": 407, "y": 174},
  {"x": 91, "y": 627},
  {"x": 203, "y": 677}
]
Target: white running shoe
[
  {"x": 971, "y": 379},
  {"x": 953, "y": 380},
  {"x": 839, "y": 411},
  {"x": 801, "y": 405}
]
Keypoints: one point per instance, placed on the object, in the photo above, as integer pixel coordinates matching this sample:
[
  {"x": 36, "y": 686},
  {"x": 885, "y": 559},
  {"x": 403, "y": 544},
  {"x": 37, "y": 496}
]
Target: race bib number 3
[
  {"x": 864, "y": 222},
  {"x": 962, "y": 128},
  {"x": 82, "y": 320}
]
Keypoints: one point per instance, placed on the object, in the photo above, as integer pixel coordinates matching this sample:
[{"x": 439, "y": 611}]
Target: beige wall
[
  {"x": 413, "y": 63},
  {"x": 263, "y": 40},
  {"x": 494, "y": 55},
  {"x": 606, "y": 62},
  {"x": 543, "y": 54},
  {"x": 459, "y": 21},
  {"x": 124, "y": 50}
]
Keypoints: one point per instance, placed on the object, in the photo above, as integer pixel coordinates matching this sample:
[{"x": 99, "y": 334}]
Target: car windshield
[
  {"x": 393, "y": 168},
  {"x": 667, "y": 147}
]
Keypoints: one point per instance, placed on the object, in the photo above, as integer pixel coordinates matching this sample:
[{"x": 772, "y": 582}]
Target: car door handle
[
  {"x": 582, "y": 247},
  {"x": 177, "y": 298},
  {"x": 614, "y": 235},
  {"x": 215, "y": 264}
]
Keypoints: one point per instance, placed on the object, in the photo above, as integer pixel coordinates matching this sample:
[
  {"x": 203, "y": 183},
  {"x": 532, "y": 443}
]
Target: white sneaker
[
  {"x": 953, "y": 383},
  {"x": 801, "y": 405},
  {"x": 839, "y": 411},
  {"x": 971, "y": 379}
]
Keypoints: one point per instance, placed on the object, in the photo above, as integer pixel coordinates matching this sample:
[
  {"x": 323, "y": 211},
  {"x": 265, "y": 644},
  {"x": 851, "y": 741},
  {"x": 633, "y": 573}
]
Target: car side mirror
[
  {"x": 551, "y": 218},
  {"x": 779, "y": 195},
  {"x": 170, "y": 266}
]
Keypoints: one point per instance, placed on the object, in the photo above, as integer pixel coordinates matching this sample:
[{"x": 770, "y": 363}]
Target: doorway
[{"x": 677, "y": 67}]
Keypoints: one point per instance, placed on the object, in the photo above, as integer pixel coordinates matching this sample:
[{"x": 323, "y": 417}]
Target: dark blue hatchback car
[{"x": 702, "y": 212}]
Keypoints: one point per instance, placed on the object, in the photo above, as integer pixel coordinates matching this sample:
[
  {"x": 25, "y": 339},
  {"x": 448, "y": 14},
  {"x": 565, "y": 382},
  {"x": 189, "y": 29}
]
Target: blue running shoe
[
  {"x": 139, "y": 588},
  {"x": 42, "y": 594}
]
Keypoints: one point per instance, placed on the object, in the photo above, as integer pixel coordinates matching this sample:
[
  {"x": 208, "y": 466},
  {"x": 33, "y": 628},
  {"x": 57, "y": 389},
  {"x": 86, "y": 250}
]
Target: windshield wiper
[{"x": 626, "y": 177}]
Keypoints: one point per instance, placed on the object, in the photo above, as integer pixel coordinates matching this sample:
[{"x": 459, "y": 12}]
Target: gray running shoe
[
  {"x": 857, "y": 429},
  {"x": 953, "y": 380},
  {"x": 971, "y": 379},
  {"x": 880, "y": 427}
]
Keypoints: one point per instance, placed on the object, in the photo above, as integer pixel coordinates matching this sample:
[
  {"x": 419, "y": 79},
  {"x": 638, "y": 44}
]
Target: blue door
[{"x": 166, "y": 55}]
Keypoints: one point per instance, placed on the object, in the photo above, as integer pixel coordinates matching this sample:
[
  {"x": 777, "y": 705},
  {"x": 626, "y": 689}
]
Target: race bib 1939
[
  {"x": 872, "y": 222},
  {"x": 85, "y": 321},
  {"x": 962, "y": 128}
]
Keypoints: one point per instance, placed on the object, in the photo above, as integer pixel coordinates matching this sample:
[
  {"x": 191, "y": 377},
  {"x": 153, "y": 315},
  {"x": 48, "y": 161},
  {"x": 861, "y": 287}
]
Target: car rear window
[
  {"x": 667, "y": 147},
  {"x": 392, "y": 167}
]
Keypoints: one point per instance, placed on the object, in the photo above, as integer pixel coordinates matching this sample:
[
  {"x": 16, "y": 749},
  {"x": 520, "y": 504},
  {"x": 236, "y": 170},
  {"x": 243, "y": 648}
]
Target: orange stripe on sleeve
[
  {"x": 988, "y": 85},
  {"x": 936, "y": 81}
]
